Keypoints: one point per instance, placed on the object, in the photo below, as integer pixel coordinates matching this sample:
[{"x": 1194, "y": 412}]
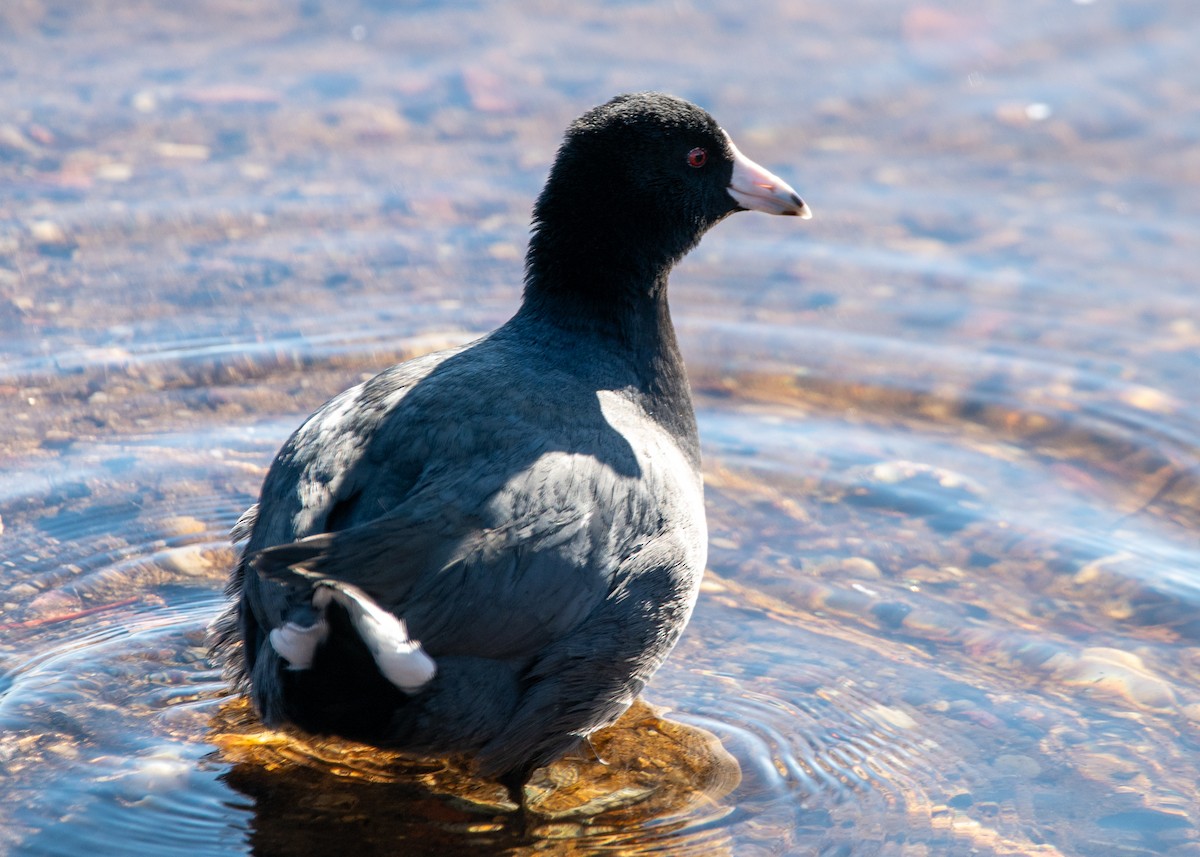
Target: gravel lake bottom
[{"x": 951, "y": 426}]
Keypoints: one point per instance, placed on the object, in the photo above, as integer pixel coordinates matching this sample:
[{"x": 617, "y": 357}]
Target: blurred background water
[{"x": 951, "y": 428}]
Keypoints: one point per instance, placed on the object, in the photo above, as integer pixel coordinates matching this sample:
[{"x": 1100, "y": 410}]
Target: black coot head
[
  {"x": 642, "y": 177},
  {"x": 649, "y": 156}
]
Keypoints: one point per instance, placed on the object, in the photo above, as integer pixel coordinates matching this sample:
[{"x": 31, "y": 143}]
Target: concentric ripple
[{"x": 894, "y": 643}]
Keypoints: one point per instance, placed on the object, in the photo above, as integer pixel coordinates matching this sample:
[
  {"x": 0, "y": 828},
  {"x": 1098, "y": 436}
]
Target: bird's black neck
[{"x": 613, "y": 311}]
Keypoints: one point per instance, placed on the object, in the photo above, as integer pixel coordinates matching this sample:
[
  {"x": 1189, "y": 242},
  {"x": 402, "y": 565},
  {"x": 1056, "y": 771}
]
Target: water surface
[{"x": 950, "y": 426}]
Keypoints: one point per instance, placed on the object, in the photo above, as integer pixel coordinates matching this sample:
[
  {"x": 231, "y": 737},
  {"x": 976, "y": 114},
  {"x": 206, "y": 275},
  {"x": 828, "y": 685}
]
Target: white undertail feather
[
  {"x": 400, "y": 658},
  {"x": 297, "y": 644}
]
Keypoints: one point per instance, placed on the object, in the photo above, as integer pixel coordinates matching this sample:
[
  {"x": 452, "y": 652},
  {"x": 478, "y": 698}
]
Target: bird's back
[{"x": 494, "y": 499}]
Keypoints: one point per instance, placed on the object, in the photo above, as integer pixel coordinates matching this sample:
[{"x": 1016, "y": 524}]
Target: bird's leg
[{"x": 514, "y": 782}]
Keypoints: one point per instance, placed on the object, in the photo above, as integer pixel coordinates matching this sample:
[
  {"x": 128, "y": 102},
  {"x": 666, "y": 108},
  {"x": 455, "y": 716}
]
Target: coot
[{"x": 489, "y": 550}]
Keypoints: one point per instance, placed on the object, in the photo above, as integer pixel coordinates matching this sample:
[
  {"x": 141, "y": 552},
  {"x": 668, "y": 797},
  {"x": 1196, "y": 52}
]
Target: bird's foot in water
[{"x": 514, "y": 783}]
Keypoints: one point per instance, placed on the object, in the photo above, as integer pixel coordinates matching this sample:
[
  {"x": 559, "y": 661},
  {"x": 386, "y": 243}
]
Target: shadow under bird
[{"x": 489, "y": 550}]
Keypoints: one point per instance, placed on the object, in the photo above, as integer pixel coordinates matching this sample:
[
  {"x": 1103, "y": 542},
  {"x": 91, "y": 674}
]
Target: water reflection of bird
[{"x": 490, "y": 549}]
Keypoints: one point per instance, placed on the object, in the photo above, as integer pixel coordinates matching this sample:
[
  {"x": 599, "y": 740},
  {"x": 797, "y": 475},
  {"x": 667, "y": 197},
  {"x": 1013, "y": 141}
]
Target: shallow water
[{"x": 951, "y": 429}]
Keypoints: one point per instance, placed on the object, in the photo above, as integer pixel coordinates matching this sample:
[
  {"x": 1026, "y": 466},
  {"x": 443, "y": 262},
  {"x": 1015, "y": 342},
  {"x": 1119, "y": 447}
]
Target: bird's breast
[{"x": 664, "y": 474}]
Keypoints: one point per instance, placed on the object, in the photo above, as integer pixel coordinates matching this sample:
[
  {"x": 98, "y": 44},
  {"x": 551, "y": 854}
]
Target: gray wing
[
  {"x": 482, "y": 566},
  {"x": 345, "y": 458},
  {"x": 491, "y": 527},
  {"x": 314, "y": 482}
]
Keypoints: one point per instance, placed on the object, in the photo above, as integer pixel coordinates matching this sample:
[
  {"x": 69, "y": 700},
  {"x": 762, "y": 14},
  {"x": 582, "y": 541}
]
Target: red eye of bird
[{"x": 697, "y": 157}]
